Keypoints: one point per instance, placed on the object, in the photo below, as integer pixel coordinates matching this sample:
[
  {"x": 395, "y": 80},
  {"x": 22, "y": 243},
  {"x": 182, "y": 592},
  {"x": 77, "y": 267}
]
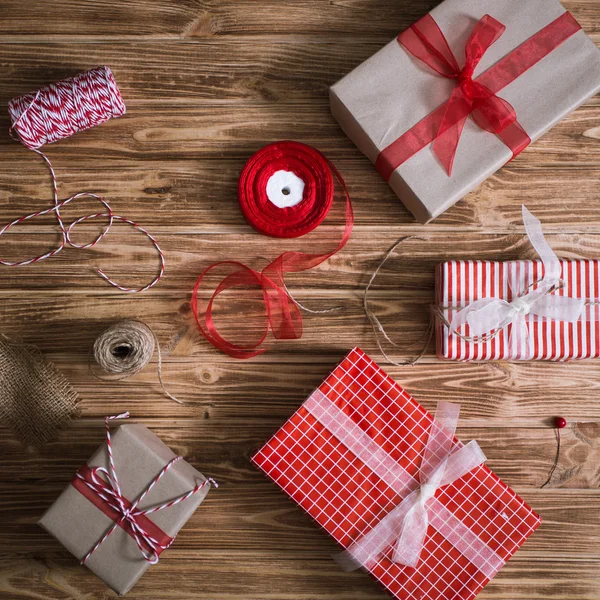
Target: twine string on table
[
  {"x": 487, "y": 317},
  {"x": 124, "y": 349},
  {"x": 435, "y": 313},
  {"x": 58, "y": 111},
  {"x": 378, "y": 328}
]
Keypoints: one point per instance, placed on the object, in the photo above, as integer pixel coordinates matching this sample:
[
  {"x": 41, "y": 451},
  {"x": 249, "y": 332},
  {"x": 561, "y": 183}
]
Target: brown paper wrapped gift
[
  {"x": 389, "y": 94},
  {"x": 79, "y": 524}
]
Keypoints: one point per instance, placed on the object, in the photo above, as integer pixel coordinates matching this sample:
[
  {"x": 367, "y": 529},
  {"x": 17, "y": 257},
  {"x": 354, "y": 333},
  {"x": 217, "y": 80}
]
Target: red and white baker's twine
[
  {"x": 58, "y": 111},
  {"x": 115, "y": 499}
]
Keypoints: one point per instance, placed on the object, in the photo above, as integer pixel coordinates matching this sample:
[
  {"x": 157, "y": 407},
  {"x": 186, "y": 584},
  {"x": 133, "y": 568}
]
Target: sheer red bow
[{"x": 425, "y": 41}]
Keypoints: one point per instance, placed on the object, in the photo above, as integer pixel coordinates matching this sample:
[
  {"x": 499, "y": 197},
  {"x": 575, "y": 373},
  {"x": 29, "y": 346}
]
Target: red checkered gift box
[{"x": 394, "y": 486}]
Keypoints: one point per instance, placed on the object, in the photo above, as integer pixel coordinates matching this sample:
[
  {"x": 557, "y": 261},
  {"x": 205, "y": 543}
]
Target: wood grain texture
[{"x": 208, "y": 82}]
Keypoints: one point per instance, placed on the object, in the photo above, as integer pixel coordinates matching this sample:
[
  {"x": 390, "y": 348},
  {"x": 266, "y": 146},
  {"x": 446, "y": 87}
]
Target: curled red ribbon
[
  {"x": 476, "y": 97},
  {"x": 283, "y": 316}
]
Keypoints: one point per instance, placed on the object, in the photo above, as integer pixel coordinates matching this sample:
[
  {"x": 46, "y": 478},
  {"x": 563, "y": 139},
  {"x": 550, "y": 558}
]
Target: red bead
[{"x": 560, "y": 422}]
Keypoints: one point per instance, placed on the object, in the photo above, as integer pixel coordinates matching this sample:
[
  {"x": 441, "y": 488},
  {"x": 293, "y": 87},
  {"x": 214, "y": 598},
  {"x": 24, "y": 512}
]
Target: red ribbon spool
[
  {"x": 315, "y": 177},
  {"x": 306, "y": 163}
]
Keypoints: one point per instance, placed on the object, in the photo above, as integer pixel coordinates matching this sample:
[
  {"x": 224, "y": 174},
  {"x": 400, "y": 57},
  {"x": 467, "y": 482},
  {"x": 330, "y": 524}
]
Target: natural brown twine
[
  {"x": 36, "y": 400},
  {"x": 376, "y": 323},
  {"x": 124, "y": 349}
]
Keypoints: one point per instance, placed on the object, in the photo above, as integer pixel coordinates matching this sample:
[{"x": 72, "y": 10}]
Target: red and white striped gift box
[
  {"x": 460, "y": 282},
  {"x": 347, "y": 498}
]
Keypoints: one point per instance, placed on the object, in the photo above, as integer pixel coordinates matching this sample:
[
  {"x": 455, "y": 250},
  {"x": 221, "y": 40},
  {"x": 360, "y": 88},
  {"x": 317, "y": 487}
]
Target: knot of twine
[{"x": 124, "y": 349}]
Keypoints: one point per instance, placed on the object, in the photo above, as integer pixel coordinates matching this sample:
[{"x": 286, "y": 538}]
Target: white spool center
[{"x": 285, "y": 189}]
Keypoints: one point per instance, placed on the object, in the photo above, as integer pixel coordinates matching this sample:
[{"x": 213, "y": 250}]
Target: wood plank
[
  {"x": 194, "y": 73},
  {"x": 201, "y": 129},
  {"x": 60, "y": 323},
  {"x": 212, "y": 18},
  {"x": 241, "y": 515},
  {"x": 220, "y": 576},
  {"x": 201, "y": 195},
  {"x": 129, "y": 257},
  {"x": 524, "y": 394},
  {"x": 221, "y": 448}
]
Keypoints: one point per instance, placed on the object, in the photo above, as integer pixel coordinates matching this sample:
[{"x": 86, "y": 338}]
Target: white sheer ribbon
[
  {"x": 405, "y": 527},
  {"x": 493, "y": 314}
]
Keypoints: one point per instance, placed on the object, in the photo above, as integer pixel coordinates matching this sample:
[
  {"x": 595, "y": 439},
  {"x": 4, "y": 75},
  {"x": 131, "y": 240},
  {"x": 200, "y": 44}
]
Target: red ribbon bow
[{"x": 425, "y": 41}]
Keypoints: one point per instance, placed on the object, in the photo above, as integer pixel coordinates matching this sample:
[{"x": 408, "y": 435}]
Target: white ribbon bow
[
  {"x": 493, "y": 314},
  {"x": 405, "y": 527}
]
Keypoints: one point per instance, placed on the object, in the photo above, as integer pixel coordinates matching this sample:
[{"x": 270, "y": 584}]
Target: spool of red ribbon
[{"x": 285, "y": 190}]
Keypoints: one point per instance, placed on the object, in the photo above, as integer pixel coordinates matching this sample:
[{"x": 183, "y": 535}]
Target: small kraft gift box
[
  {"x": 126, "y": 505},
  {"x": 392, "y": 485},
  {"x": 545, "y": 309},
  {"x": 492, "y": 75}
]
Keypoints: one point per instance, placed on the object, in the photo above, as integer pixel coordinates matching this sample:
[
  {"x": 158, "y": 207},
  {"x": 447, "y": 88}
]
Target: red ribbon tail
[
  {"x": 451, "y": 128},
  {"x": 446, "y": 145}
]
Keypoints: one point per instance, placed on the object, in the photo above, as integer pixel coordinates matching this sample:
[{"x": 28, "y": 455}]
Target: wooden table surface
[{"x": 207, "y": 83}]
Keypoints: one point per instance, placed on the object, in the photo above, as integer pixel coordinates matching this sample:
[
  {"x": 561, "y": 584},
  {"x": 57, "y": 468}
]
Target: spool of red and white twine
[
  {"x": 285, "y": 190},
  {"x": 56, "y": 112}
]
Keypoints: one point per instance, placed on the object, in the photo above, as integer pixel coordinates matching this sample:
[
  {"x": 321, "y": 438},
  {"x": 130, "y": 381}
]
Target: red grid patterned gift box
[
  {"x": 343, "y": 495},
  {"x": 460, "y": 282}
]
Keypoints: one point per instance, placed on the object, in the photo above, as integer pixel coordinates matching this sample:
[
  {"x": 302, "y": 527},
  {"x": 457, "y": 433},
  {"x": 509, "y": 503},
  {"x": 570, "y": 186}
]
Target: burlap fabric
[{"x": 35, "y": 398}]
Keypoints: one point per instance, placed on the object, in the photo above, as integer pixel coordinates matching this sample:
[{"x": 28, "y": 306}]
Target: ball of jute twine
[{"x": 124, "y": 349}]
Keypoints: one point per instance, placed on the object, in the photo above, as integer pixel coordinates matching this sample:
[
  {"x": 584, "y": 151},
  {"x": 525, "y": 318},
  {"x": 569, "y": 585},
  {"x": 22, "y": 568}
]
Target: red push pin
[{"x": 559, "y": 423}]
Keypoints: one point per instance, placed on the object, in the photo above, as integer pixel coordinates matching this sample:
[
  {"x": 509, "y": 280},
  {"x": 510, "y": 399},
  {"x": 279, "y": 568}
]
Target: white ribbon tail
[
  {"x": 535, "y": 233},
  {"x": 559, "y": 308}
]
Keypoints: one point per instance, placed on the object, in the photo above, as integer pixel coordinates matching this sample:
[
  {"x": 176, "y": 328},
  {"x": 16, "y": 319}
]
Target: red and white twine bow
[
  {"x": 111, "y": 494},
  {"x": 53, "y": 113}
]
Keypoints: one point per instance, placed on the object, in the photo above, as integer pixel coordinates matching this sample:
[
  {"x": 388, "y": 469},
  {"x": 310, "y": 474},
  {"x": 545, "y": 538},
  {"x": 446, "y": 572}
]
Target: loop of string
[
  {"x": 378, "y": 328},
  {"x": 124, "y": 349},
  {"x": 525, "y": 302},
  {"x": 55, "y": 112}
]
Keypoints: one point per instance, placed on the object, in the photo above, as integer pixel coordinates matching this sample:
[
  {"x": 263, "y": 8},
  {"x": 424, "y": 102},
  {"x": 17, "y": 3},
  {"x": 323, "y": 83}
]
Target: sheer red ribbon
[
  {"x": 282, "y": 315},
  {"x": 475, "y": 97}
]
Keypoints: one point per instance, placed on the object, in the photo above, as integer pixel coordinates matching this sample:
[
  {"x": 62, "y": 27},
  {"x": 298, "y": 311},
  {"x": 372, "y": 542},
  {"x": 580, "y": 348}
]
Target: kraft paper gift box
[
  {"x": 382, "y": 105},
  {"x": 353, "y": 455},
  {"x": 79, "y": 524},
  {"x": 547, "y": 309}
]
